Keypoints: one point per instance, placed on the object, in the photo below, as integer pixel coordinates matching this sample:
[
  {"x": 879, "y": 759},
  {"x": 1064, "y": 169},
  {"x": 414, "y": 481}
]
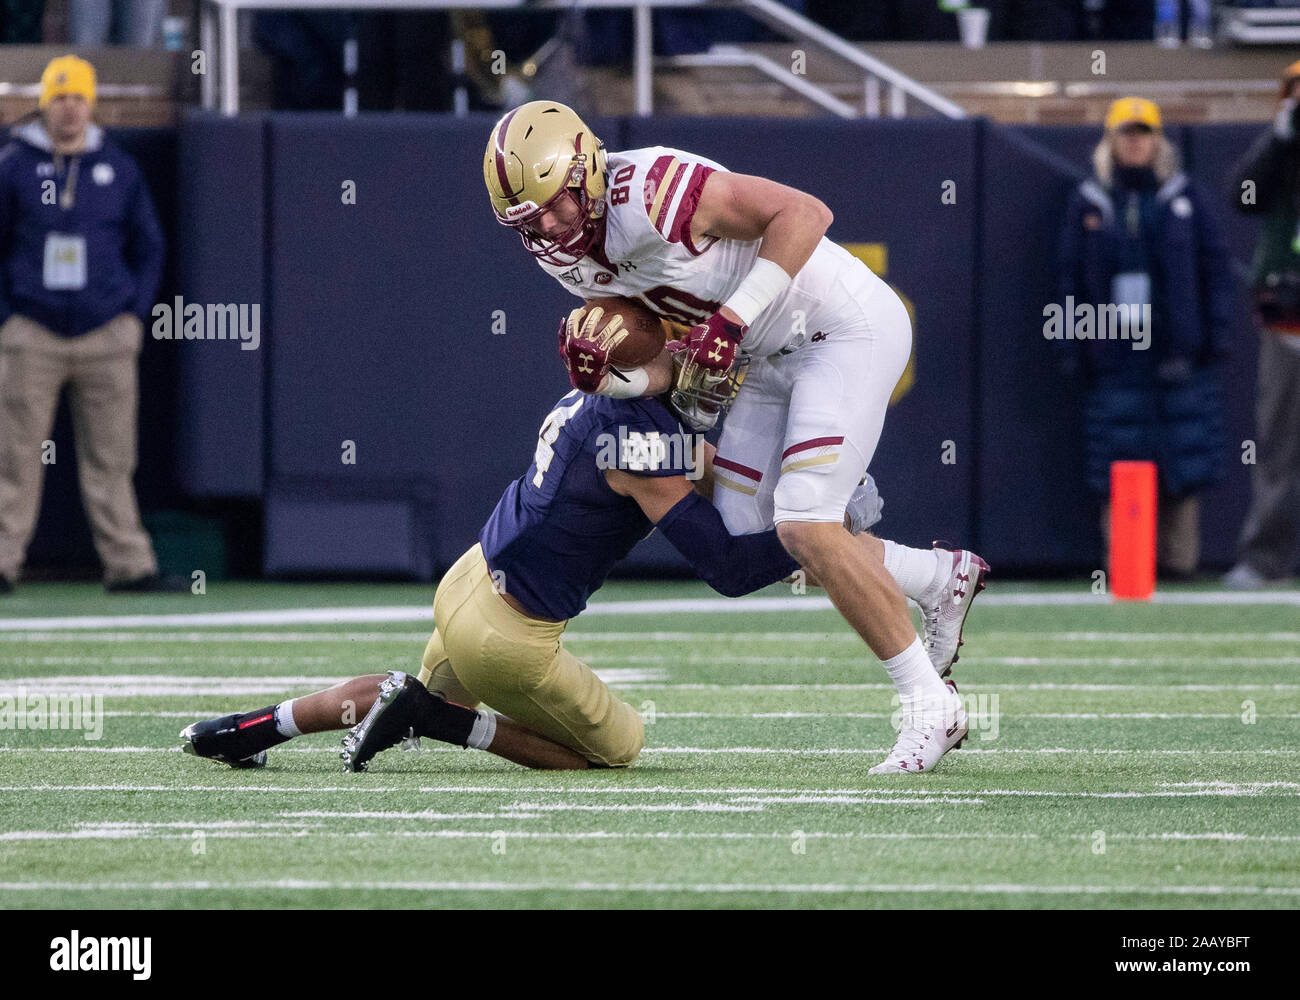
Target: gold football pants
[{"x": 483, "y": 650}]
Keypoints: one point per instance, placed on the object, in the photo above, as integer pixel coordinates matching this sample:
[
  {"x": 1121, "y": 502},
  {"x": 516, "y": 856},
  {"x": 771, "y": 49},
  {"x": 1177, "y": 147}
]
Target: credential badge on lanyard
[{"x": 65, "y": 262}]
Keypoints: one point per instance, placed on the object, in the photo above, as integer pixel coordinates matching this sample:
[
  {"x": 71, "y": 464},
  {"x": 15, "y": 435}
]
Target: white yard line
[
  {"x": 207, "y": 637},
  {"x": 718, "y": 888},
  {"x": 200, "y": 713},
  {"x": 167, "y": 685},
  {"x": 852, "y": 659},
  {"x": 632, "y": 678},
  {"x": 1029, "y": 686},
  {"x": 1239, "y": 789},
  {"x": 840, "y": 635},
  {"x": 700, "y": 605},
  {"x": 219, "y": 831}
]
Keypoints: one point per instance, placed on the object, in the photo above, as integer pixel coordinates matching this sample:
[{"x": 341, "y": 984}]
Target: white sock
[
  {"x": 921, "y": 691},
  {"x": 916, "y": 571},
  {"x": 483, "y": 730},
  {"x": 284, "y": 719}
]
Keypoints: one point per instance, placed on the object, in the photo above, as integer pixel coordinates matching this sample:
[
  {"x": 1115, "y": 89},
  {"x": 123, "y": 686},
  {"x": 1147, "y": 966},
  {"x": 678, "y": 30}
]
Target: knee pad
[{"x": 801, "y": 496}]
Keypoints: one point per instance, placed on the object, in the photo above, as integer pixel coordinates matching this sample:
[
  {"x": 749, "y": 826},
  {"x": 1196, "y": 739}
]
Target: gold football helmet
[
  {"x": 539, "y": 154},
  {"x": 700, "y": 397}
]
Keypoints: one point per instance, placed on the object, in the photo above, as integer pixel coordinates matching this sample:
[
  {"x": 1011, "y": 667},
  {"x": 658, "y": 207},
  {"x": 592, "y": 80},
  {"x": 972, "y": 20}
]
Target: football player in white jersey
[{"x": 821, "y": 341}]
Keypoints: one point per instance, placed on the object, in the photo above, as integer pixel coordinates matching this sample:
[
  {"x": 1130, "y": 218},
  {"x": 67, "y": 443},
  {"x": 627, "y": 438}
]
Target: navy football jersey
[{"x": 558, "y": 530}]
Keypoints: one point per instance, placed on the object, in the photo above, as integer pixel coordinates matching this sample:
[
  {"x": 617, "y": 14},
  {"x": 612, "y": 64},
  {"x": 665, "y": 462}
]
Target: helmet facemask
[
  {"x": 578, "y": 238},
  {"x": 700, "y": 397}
]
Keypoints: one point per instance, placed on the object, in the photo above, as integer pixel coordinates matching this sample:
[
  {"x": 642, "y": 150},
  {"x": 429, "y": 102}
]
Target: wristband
[
  {"x": 625, "y": 383},
  {"x": 766, "y": 280}
]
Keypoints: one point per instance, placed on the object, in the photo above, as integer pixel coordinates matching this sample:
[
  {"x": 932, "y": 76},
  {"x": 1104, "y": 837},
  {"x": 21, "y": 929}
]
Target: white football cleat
[
  {"x": 920, "y": 744},
  {"x": 944, "y": 610}
]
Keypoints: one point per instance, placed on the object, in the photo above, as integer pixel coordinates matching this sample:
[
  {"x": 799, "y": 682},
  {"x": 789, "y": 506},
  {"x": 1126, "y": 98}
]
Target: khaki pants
[
  {"x": 484, "y": 650},
  {"x": 1270, "y": 538},
  {"x": 1178, "y": 533},
  {"x": 99, "y": 369}
]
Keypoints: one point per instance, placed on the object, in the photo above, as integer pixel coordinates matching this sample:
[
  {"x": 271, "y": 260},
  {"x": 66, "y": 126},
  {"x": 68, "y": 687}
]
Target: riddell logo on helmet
[{"x": 518, "y": 211}]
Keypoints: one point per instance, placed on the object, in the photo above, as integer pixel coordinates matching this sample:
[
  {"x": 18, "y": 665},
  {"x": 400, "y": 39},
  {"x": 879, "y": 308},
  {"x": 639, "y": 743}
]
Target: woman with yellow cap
[{"x": 1139, "y": 234}]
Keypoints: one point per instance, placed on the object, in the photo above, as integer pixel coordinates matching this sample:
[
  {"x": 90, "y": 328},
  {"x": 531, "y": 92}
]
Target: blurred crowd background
[{"x": 1125, "y": 176}]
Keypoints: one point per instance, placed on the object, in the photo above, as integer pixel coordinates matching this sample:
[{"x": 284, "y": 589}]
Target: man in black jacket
[{"x": 1267, "y": 183}]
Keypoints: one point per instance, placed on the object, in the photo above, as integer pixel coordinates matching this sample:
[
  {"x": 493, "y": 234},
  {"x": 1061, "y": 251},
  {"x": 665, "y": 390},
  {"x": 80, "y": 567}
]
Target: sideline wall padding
[
  {"x": 221, "y": 232},
  {"x": 378, "y": 324}
]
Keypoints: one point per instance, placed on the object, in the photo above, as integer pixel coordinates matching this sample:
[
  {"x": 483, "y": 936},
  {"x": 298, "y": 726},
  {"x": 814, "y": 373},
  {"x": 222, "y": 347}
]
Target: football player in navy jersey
[{"x": 605, "y": 473}]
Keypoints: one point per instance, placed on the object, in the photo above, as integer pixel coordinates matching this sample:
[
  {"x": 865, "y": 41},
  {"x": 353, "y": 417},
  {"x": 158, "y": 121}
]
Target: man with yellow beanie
[{"x": 81, "y": 256}]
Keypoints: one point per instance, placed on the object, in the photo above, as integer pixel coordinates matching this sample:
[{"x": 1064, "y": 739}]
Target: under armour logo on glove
[
  {"x": 587, "y": 340},
  {"x": 723, "y": 334}
]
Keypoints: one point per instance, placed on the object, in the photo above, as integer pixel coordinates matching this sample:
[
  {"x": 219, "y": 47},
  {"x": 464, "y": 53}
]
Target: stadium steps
[{"x": 1011, "y": 82}]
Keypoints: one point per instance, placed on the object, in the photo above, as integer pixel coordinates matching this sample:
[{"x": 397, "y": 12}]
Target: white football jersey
[{"x": 649, "y": 255}]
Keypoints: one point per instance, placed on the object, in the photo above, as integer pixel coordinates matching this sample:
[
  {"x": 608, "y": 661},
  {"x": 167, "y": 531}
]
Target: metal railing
[
  {"x": 219, "y": 32},
  {"x": 1262, "y": 26}
]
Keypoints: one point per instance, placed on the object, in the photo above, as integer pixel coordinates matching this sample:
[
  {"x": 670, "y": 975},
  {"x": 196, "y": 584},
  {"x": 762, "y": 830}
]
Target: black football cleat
[
  {"x": 222, "y": 739},
  {"x": 151, "y": 583},
  {"x": 403, "y": 706}
]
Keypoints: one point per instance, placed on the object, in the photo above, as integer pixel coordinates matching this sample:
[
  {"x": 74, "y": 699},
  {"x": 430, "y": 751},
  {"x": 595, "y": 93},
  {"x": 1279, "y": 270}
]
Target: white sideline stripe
[
  {"x": 292, "y": 616},
  {"x": 733, "y": 794},
  {"x": 853, "y": 658},
  {"x": 212, "y": 637},
  {"x": 1033, "y": 686},
  {"x": 719, "y": 888},
  {"x": 1234, "y": 637},
  {"x": 844, "y": 636},
  {"x": 701, "y": 605},
  {"x": 150, "y": 685},
  {"x": 122, "y": 661},
  {"x": 154, "y": 685},
  {"x": 1005, "y": 715}
]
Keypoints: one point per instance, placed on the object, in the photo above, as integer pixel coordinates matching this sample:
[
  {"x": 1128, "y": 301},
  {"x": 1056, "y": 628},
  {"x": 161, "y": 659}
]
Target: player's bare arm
[
  {"x": 743, "y": 207},
  {"x": 790, "y": 223},
  {"x": 655, "y": 495}
]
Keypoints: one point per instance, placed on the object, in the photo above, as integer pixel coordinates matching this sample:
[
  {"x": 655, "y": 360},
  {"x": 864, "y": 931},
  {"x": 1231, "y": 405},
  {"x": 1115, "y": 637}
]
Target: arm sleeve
[
  {"x": 1265, "y": 165},
  {"x": 732, "y": 565},
  {"x": 144, "y": 250}
]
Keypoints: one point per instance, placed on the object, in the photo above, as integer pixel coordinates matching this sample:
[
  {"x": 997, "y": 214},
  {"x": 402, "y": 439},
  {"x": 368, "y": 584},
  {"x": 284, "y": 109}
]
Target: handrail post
[
  {"x": 872, "y": 97},
  {"x": 897, "y": 101},
  {"x": 643, "y": 57},
  {"x": 229, "y": 17},
  {"x": 207, "y": 43}
]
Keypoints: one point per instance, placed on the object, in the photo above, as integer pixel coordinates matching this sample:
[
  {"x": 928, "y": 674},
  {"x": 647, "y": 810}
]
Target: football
[{"x": 647, "y": 331}]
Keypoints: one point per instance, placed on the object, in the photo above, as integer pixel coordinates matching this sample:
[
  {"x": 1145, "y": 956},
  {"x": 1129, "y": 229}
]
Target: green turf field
[{"x": 1126, "y": 756}]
